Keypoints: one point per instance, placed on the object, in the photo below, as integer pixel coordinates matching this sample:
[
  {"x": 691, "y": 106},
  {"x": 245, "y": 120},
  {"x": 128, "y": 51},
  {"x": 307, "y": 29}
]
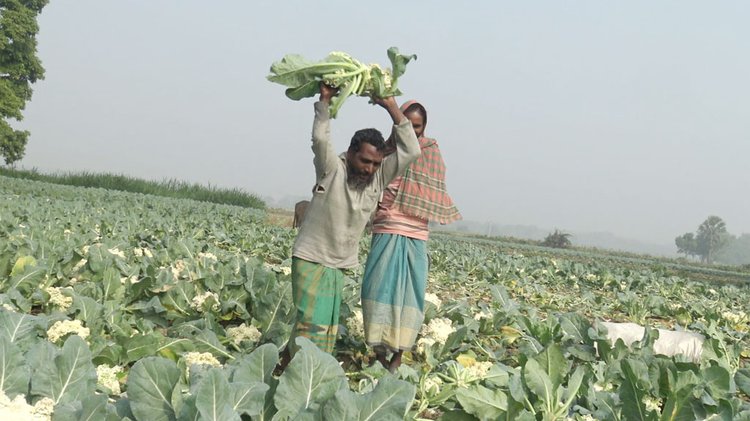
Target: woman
[{"x": 396, "y": 271}]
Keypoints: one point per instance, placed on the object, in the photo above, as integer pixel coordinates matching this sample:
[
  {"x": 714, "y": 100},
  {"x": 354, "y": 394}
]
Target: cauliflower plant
[
  {"x": 199, "y": 301},
  {"x": 439, "y": 329},
  {"x": 286, "y": 270},
  {"x": 423, "y": 344},
  {"x": 436, "y": 331},
  {"x": 243, "y": 332},
  {"x": 432, "y": 385},
  {"x": 142, "y": 251},
  {"x": 58, "y": 299},
  {"x": 479, "y": 369},
  {"x": 199, "y": 358},
  {"x": 178, "y": 268},
  {"x": 17, "y": 409},
  {"x": 207, "y": 256},
  {"x": 483, "y": 314},
  {"x": 434, "y": 299},
  {"x": 116, "y": 252},
  {"x": 62, "y": 328},
  {"x": 735, "y": 318},
  {"x": 81, "y": 263},
  {"x": 106, "y": 377},
  {"x": 652, "y": 404},
  {"x": 355, "y": 325}
]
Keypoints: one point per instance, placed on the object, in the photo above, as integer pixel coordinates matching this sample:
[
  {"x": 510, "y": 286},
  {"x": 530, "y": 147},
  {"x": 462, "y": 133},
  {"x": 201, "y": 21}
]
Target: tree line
[
  {"x": 712, "y": 243},
  {"x": 19, "y": 68}
]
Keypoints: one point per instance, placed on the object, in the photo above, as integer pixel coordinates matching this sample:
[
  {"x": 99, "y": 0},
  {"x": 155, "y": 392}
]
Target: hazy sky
[{"x": 628, "y": 117}]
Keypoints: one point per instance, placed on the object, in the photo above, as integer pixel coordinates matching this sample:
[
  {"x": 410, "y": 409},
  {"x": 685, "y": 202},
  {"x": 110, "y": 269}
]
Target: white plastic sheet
[{"x": 669, "y": 343}]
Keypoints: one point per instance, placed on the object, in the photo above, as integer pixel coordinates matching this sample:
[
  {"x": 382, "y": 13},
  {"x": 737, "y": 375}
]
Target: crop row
[{"x": 154, "y": 304}]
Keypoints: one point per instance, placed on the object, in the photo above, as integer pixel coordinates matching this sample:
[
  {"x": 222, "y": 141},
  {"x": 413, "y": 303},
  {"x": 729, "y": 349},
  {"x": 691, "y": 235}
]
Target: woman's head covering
[
  {"x": 422, "y": 110},
  {"x": 408, "y": 104},
  {"x": 422, "y": 192}
]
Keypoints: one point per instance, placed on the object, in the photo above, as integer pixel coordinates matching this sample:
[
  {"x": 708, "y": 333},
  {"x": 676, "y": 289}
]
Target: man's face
[{"x": 363, "y": 164}]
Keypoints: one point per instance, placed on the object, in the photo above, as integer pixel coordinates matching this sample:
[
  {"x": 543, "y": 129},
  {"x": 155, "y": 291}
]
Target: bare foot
[
  {"x": 395, "y": 361},
  {"x": 380, "y": 356}
]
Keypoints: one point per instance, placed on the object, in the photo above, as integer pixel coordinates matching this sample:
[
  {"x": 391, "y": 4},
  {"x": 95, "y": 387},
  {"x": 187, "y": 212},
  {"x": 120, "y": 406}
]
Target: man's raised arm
[
  {"x": 325, "y": 155},
  {"x": 407, "y": 145}
]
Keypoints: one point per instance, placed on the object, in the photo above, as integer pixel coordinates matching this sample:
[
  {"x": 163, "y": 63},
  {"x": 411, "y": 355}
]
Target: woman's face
[{"x": 417, "y": 122}]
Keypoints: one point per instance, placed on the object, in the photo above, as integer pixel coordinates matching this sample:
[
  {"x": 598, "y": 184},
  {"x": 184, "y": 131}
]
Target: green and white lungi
[{"x": 316, "y": 290}]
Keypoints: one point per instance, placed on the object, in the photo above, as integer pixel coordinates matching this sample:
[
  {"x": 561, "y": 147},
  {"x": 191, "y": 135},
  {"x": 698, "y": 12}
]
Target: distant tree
[
  {"x": 687, "y": 244},
  {"x": 711, "y": 236},
  {"x": 557, "y": 239},
  {"x": 19, "y": 68},
  {"x": 736, "y": 251}
]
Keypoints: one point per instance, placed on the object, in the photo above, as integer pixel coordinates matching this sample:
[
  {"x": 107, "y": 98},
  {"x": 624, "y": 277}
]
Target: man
[
  {"x": 299, "y": 213},
  {"x": 347, "y": 190}
]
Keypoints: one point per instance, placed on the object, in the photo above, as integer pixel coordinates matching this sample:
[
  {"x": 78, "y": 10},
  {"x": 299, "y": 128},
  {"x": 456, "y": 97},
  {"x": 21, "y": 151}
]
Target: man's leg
[{"x": 316, "y": 291}]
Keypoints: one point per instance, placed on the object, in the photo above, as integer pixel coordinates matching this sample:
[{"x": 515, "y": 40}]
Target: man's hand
[
  {"x": 327, "y": 92},
  {"x": 385, "y": 102}
]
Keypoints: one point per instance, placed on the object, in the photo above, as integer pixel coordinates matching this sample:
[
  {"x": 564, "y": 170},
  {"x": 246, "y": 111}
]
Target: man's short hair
[{"x": 371, "y": 136}]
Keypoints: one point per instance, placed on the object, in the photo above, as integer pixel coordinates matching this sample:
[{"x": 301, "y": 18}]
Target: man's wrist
[{"x": 396, "y": 115}]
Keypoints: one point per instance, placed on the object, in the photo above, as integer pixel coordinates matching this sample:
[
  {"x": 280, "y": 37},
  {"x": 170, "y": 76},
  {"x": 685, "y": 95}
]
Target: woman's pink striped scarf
[{"x": 423, "y": 192}]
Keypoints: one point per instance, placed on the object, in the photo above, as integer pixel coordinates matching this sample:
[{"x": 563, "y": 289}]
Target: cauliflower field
[{"x": 124, "y": 306}]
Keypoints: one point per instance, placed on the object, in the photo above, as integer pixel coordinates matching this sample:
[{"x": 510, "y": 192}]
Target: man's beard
[{"x": 355, "y": 182}]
